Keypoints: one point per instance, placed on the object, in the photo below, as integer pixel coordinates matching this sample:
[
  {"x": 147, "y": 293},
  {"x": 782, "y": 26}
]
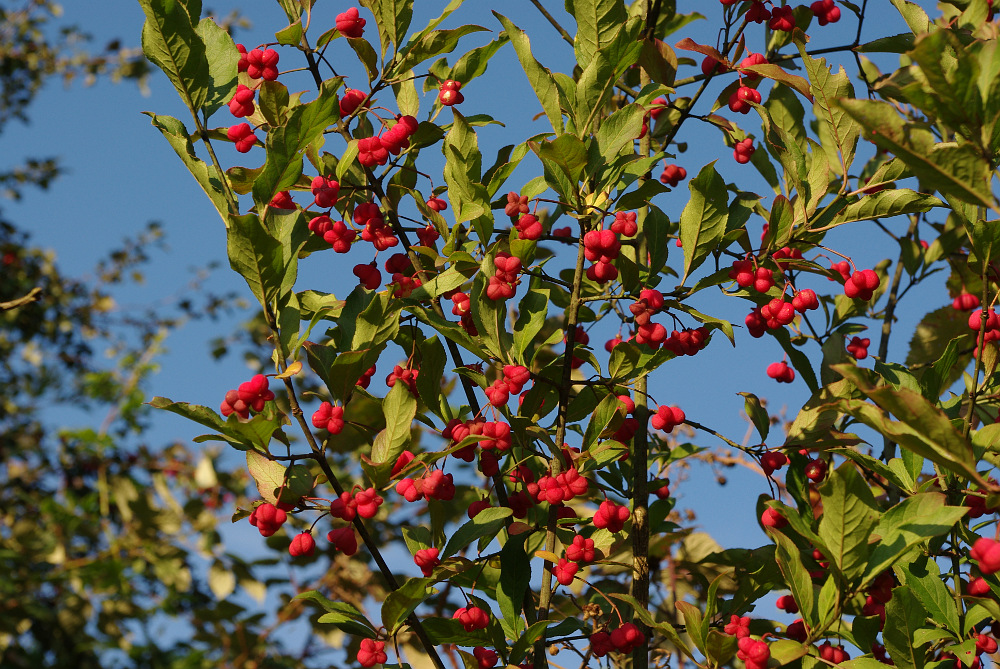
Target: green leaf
[
  {"x": 842, "y": 130},
  {"x": 433, "y": 44},
  {"x": 487, "y": 523},
  {"x": 531, "y": 313},
  {"x": 463, "y": 174},
  {"x": 256, "y": 255},
  {"x": 951, "y": 168},
  {"x": 597, "y": 22},
  {"x": 596, "y": 83},
  {"x": 540, "y": 78},
  {"x": 170, "y": 41},
  {"x": 267, "y": 474},
  {"x": 515, "y": 575},
  {"x": 285, "y": 145},
  {"x": 904, "y": 616},
  {"x": 912, "y": 521},
  {"x": 796, "y": 576},
  {"x": 757, "y": 414},
  {"x": 392, "y": 18},
  {"x": 290, "y": 35},
  {"x": 566, "y": 152},
  {"x": 703, "y": 220},
  {"x": 399, "y": 408},
  {"x": 915, "y": 17},
  {"x": 220, "y": 49},
  {"x": 432, "y": 364},
  {"x": 692, "y": 622},
  {"x": 206, "y": 175},
  {"x": 341, "y": 614},
  {"x": 885, "y": 204},
  {"x": 849, "y": 513},
  {"x": 619, "y": 131},
  {"x": 525, "y": 641},
  {"x": 400, "y": 603},
  {"x": 922, "y": 427},
  {"x": 923, "y": 579}
]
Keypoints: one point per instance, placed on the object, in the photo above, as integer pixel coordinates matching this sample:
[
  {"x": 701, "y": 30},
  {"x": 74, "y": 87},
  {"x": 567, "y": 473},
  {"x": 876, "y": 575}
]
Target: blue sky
[{"x": 122, "y": 174}]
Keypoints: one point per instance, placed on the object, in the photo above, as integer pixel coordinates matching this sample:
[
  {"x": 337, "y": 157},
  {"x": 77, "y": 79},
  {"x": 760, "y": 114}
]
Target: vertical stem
[
  {"x": 640, "y": 442},
  {"x": 320, "y": 458},
  {"x": 555, "y": 464}
]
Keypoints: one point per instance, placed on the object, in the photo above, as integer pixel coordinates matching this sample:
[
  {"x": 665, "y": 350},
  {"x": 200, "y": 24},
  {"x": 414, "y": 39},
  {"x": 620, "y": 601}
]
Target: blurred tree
[{"x": 103, "y": 536}]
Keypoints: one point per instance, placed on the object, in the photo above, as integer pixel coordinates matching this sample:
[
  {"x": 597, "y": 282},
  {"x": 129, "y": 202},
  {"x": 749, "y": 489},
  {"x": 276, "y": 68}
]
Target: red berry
[
  {"x": 242, "y": 102},
  {"x": 329, "y": 418},
  {"x": 302, "y": 545},
  {"x": 565, "y": 571},
  {"x": 750, "y": 61},
  {"x": 772, "y": 518},
  {"x": 262, "y": 64},
  {"x": 858, "y": 347},
  {"x": 325, "y": 191},
  {"x": 427, "y": 559},
  {"x": 782, "y": 19},
  {"x": 351, "y": 100},
  {"x": 987, "y": 553},
  {"x": 673, "y": 175},
  {"x": 371, "y": 652},
  {"x": 781, "y": 372},
  {"x": 740, "y": 100},
  {"x": 350, "y": 24},
  {"x": 816, "y": 470},
  {"x": 743, "y": 151},
  {"x": 344, "y": 540},
  {"x": 242, "y": 135}
]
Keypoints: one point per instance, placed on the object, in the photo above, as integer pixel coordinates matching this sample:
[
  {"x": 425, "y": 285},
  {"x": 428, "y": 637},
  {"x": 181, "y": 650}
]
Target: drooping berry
[
  {"x": 303, "y": 545},
  {"x": 242, "y": 136}
]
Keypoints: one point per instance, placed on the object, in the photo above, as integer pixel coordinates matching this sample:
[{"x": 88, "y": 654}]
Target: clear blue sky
[{"x": 121, "y": 174}]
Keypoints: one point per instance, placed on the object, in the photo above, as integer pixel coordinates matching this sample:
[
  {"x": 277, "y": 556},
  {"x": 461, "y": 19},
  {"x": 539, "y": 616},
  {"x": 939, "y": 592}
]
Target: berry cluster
[
  {"x": 268, "y": 518},
  {"x": 250, "y": 396},
  {"x": 434, "y": 485},
  {"x": 624, "y": 640},
  {"x": 601, "y": 247},
  {"x": 472, "y": 618},
  {"x": 667, "y": 418},
  {"x": 375, "y": 230},
  {"x": 334, "y": 233},
  {"x": 743, "y": 150},
  {"x": 259, "y": 63},
  {"x": 502, "y": 284},
  {"x": 448, "y": 93},
  {"x": 329, "y": 418}
]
